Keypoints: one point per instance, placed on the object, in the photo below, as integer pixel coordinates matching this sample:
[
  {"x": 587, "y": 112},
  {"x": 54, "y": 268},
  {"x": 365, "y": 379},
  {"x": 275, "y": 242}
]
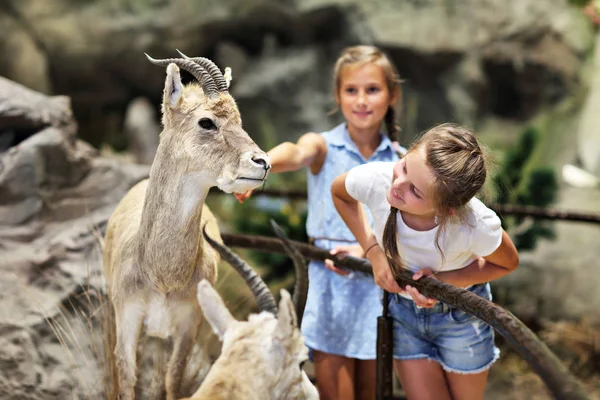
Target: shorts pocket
[
  {"x": 459, "y": 316},
  {"x": 482, "y": 290}
]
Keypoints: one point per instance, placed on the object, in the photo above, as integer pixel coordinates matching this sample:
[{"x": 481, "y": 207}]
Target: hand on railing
[
  {"x": 418, "y": 298},
  {"x": 353, "y": 250}
]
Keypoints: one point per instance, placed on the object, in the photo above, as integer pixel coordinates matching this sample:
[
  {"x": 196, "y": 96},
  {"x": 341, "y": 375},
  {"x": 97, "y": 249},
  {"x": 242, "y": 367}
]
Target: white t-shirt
[{"x": 478, "y": 236}]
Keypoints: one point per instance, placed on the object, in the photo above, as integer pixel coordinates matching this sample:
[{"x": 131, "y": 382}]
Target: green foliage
[
  {"x": 518, "y": 183},
  {"x": 119, "y": 142},
  {"x": 541, "y": 187},
  {"x": 253, "y": 217},
  {"x": 510, "y": 174},
  {"x": 579, "y": 3}
]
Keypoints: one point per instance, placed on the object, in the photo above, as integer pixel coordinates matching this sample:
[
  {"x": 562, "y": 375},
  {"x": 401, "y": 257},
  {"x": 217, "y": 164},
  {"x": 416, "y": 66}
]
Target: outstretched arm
[{"x": 309, "y": 151}]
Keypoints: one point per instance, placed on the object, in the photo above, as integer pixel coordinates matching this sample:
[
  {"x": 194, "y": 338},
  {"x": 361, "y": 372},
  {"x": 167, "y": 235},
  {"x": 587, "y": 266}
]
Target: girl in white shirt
[{"x": 427, "y": 219}]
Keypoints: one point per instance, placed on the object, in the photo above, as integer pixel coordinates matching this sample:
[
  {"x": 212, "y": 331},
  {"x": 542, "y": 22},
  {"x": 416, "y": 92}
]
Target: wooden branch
[
  {"x": 545, "y": 213},
  {"x": 501, "y": 209},
  {"x": 560, "y": 382}
]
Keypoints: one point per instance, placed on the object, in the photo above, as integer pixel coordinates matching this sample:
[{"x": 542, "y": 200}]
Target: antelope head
[
  {"x": 268, "y": 346},
  {"x": 202, "y": 129},
  {"x": 272, "y": 339}
]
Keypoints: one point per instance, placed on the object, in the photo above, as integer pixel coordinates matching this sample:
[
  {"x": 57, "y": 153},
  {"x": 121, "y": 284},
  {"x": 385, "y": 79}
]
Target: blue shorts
[{"x": 456, "y": 340}]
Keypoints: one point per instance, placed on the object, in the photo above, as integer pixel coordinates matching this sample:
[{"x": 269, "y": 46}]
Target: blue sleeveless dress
[{"x": 341, "y": 311}]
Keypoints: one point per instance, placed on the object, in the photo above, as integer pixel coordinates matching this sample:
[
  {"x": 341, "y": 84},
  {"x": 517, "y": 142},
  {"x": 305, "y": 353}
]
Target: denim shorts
[{"x": 456, "y": 340}]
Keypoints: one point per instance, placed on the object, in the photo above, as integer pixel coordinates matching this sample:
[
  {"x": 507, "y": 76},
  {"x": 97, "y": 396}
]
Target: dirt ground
[{"x": 512, "y": 379}]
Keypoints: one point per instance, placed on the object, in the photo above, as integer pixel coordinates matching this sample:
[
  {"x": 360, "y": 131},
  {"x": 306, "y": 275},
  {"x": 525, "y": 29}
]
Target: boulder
[
  {"x": 142, "y": 130},
  {"x": 56, "y": 195}
]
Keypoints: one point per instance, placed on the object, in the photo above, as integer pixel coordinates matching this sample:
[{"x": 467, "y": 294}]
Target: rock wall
[
  {"x": 461, "y": 61},
  {"x": 56, "y": 195}
]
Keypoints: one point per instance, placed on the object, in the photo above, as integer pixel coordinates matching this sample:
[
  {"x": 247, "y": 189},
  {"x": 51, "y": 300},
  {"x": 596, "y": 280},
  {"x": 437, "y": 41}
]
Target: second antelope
[
  {"x": 261, "y": 358},
  {"x": 154, "y": 253}
]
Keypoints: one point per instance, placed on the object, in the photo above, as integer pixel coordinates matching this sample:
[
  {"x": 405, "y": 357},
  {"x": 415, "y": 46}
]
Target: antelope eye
[{"x": 208, "y": 124}]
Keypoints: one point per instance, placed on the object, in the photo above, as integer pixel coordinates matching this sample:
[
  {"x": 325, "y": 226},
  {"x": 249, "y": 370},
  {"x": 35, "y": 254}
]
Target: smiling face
[
  {"x": 412, "y": 185},
  {"x": 364, "y": 97}
]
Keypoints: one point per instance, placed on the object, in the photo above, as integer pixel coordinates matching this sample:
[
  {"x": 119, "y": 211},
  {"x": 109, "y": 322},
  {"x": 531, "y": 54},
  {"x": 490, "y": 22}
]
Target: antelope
[
  {"x": 154, "y": 255},
  {"x": 261, "y": 358}
]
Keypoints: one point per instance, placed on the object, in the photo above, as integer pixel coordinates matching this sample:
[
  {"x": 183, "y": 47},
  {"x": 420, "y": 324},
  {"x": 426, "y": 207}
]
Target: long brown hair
[
  {"x": 459, "y": 166},
  {"x": 361, "y": 55}
]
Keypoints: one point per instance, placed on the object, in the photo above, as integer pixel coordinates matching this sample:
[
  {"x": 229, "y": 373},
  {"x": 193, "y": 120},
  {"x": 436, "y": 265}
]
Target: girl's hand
[
  {"x": 418, "y": 298},
  {"x": 243, "y": 196},
  {"x": 382, "y": 272},
  {"x": 348, "y": 250}
]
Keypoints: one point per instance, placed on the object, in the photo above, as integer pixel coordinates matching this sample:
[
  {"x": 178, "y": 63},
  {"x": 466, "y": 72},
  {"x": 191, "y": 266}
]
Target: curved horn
[
  {"x": 260, "y": 290},
  {"x": 212, "y": 69},
  {"x": 208, "y": 84},
  {"x": 301, "y": 288}
]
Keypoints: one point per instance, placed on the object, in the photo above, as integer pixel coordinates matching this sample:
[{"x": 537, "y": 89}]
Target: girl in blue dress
[{"x": 340, "y": 320}]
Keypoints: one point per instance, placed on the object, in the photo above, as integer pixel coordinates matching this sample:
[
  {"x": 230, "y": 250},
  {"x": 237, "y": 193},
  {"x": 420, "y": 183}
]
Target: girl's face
[
  {"x": 412, "y": 185},
  {"x": 364, "y": 97}
]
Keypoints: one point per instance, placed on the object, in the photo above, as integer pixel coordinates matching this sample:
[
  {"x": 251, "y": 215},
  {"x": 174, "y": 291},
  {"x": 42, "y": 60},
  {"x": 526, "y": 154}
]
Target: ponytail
[
  {"x": 392, "y": 128},
  {"x": 390, "y": 243}
]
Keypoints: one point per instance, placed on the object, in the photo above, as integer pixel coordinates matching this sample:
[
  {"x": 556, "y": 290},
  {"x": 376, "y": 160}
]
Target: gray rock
[
  {"x": 56, "y": 194},
  {"x": 461, "y": 60},
  {"x": 559, "y": 279},
  {"x": 142, "y": 129}
]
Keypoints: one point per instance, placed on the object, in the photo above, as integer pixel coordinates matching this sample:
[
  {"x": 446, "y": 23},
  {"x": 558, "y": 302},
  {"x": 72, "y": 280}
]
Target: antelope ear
[
  {"x": 286, "y": 316},
  {"x": 173, "y": 88},
  {"x": 215, "y": 311}
]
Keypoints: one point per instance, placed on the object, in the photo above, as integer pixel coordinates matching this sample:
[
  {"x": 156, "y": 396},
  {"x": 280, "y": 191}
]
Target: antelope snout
[{"x": 261, "y": 160}]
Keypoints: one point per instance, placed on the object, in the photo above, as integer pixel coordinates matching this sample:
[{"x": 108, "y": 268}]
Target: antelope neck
[{"x": 172, "y": 213}]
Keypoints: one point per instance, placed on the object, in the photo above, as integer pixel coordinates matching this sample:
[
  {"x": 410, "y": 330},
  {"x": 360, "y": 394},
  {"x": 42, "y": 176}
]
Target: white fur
[
  {"x": 174, "y": 86},
  {"x": 260, "y": 358},
  {"x": 158, "y": 320},
  {"x": 195, "y": 187},
  {"x": 228, "y": 76}
]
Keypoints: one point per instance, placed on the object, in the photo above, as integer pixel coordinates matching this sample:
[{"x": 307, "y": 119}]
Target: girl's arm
[
  {"x": 352, "y": 212},
  {"x": 309, "y": 151},
  {"x": 504, "y": 260},
  {"x": 354, "y": 215}
]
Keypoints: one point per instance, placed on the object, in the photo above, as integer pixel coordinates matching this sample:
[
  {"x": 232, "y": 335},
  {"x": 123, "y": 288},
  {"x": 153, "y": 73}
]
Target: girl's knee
[{"x": 335, "y": 376}]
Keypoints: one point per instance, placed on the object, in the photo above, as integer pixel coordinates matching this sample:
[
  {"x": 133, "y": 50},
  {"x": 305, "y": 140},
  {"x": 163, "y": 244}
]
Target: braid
[
  {"x": 390, "y": 244},
  {"x": 393, "y": 130}
]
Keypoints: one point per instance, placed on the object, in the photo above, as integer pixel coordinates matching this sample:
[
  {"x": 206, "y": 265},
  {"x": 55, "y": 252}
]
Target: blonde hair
[
  {"x": 361, "y": 55},
  {"x": 459, "y": 166}
]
